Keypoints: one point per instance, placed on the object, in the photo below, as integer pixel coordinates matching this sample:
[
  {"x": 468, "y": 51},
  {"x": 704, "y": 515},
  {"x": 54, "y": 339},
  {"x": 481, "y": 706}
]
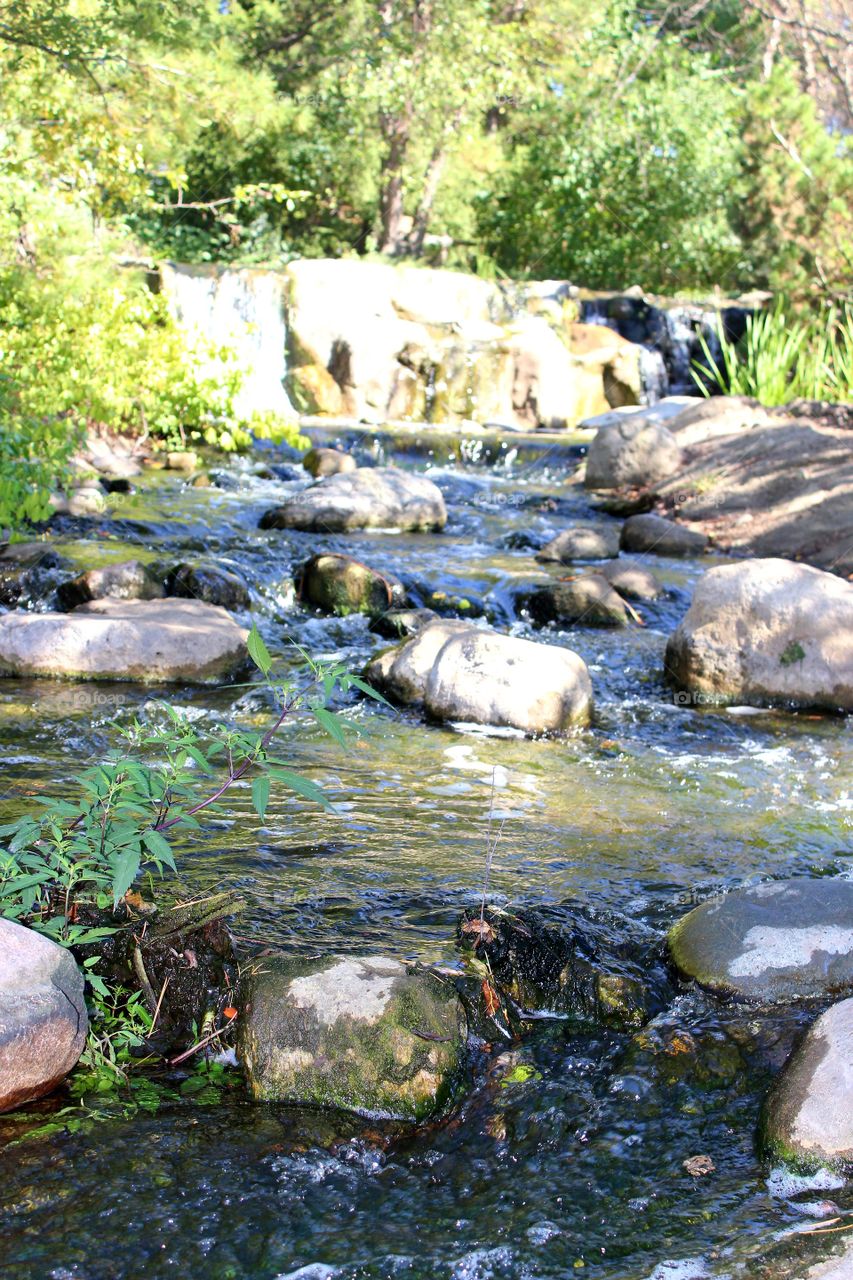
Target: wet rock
[
  {"x": 124, "y": 640},
  {"x": 655, "y": 535},
  {"x": 447, "y": 604},
  {"x": 381, "y": 497},
  {"x": 342, "y": 585},
  {"x": 767, "y": 632},
  {"x": 583, "y": 542},
  {"x": 776, "y": 942},
  {"x": 396, "y": 624},
  {"x": 182, "y": 460},
  {"x": 87, "y": 500},
  {"x": 808, "y": 1118},
  {"x": 213, "y": 586},
  {"x": 487, "y": 678},
  {"x": 401, "y": 673},
  {"x": 587, "y": 600},
  {"x": 570, "y": 970},
  {"x": 460, "y": 672},
  {"x": 26, "y": 571},
  {"x": 328, "y": 462},
  {"x": 361, "y": 1033},
  {"x": 630, "y": 579},
  {"x": 632, "y": 451},
  {"x": 43, "y": 1020},
  {"x": 129, "y": 580}
]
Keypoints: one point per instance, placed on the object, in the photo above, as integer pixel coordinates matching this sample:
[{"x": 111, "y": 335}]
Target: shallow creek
[{"x": 576, "y": 1170}]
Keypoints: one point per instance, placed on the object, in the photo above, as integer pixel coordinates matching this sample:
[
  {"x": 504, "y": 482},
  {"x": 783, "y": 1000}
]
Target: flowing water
[{"x": 578, "y": 1169}]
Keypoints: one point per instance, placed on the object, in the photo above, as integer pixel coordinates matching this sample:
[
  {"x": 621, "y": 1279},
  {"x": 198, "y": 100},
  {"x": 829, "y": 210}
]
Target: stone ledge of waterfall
[
  {"x": 766, "y": 633},
  {"x": 375, "y": 498},
  {"x": 43, "y": 1021},
  {"x": 772, "y": 943},
  {"x": 144, "y": 640},
  {"x": 807, "y": 1118},
  {"x": 459, "y": 672}
]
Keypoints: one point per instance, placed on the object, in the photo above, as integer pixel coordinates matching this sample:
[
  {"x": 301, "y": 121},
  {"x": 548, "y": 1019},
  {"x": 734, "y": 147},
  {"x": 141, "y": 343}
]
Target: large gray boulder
[
  {"x": 460, "y": 672},
  {"x": 402, "y": 673},
  {"x": 148, "y": 640},
  {"x": 362, "y": 1033},
  {"x": 486, "y": 678},
  {"x": 655, "y": 535},
  {"x": 767, "y": 632},
  {"x": 43, "y": 1020},
  {"x": 808, "y": 1118},
  {"x": 581, "y": 542},
  {"x": 786, "y": 940},
  {"x": 369, "y": 498},
  {"x": 632, "y": 451},
  {"x": 342, "y": 585}
]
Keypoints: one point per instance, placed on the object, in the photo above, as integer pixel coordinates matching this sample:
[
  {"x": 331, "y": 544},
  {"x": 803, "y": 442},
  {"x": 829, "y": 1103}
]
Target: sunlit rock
[
  {"x": 581, "y": 542},
  {"x": 362, "y": 1033},
  {"x": 767, "y": 632},
  {"x": 369, "y": 498}
]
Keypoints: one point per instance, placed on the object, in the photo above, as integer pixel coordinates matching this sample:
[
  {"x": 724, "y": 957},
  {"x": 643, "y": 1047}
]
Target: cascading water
[{"x": 243, "y": 310}]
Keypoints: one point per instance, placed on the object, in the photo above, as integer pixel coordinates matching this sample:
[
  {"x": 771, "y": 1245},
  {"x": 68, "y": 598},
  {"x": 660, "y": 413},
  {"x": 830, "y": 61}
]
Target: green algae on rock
[{"x": 360, "y": 1033}]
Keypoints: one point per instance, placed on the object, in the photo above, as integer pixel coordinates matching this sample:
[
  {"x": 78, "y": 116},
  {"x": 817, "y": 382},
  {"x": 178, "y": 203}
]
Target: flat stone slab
[
  {"x": 808, "y": 1117},
  {"x": 147, "y": 640},
  {"x": 777, "y": 942}
]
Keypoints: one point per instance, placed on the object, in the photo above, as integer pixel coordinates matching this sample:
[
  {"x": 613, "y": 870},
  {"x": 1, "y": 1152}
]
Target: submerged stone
[
  {"x": 361, "y": 1033},
  {"x": 339, "y": 584},
  {"x": 808, "y": 1117},
  {"x": 782, "y": 941},
  {"x": 397, "y": 624}
]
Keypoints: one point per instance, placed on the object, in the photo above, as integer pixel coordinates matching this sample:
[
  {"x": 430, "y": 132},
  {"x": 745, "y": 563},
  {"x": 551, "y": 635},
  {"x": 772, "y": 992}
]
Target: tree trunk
[
  {"x": 423, "y": 212},
  {"x": 395, "y": 129}
]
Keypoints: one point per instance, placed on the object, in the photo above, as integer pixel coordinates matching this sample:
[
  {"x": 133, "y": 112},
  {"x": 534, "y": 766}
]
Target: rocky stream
[{"x": 625, "y": 1147}]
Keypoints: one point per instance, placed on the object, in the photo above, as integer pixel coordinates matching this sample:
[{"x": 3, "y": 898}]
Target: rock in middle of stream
[{"x": 361, "y": 1033}]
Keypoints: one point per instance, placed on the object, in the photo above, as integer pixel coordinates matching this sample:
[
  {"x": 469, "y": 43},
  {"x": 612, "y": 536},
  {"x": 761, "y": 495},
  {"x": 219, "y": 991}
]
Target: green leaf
[
  {"x": 261, "y": 794},
  {"x": 367, "y": 690},
  {"x": 124, "y": 872},
  {"x": 331, "y": 724},
  {"x": 258, "y": 651},
  {"x": 302, "y": 786},
  {"x": 158, "y": 846}
]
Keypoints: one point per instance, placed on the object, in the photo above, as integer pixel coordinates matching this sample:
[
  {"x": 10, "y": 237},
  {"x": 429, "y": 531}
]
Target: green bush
[
  {"x": 784, "y": 357},
  {"x": 78, "y": 352}
]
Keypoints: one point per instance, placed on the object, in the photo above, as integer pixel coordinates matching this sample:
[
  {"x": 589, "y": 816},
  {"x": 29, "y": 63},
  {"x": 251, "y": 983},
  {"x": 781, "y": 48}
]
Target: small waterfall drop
[{"x": 243, "y": 310}]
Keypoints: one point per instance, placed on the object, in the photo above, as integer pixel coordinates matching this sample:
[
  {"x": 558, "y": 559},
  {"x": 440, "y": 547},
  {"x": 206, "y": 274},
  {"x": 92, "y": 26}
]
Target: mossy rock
[
  {"x": 360, "y": 1033},
  {"x": 342, "y": 585}
]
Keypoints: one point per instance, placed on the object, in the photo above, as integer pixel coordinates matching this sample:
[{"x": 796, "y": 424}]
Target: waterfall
[{"x": 243, "y": 310}]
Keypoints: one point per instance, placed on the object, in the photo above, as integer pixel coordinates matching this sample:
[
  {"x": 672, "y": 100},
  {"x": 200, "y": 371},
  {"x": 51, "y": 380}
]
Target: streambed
[{"x": 576, "y": 1169}]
